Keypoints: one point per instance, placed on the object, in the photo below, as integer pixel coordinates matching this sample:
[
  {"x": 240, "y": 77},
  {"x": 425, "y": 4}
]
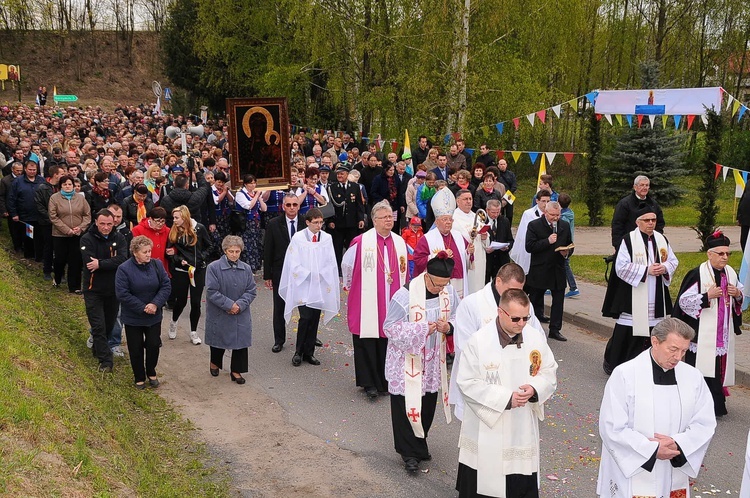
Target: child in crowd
[
  {"x": 411, "y": 235},
  {"x": 567, "y": 214}
]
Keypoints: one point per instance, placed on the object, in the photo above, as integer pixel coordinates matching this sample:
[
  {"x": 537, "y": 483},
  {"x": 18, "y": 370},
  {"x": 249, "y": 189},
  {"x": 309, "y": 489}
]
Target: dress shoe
[
  {"x": 557, "y": 336},
  {"x": 411, "y": 465},
  {"x": 154, "y": 382},
  {"x": 238, "y": 380},
  {"x": 544, "y": 319},
  {"x": 318, "y": 343},
  {"x": 297, "y": 359},
  {"x": 311, "y": 359},
  {"x": 140, "y": 386},
  {"x": 214, "y": 371},
  {"x": 371, "y": 393},
  {"x": 277, "y": 348},
  {"x": 427, "y": 458}
]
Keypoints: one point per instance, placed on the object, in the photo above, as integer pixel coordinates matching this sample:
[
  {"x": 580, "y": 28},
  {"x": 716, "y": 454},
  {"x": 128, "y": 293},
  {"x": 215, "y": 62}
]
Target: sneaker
[
  {"x": 172, "y": 330},
  {"x": 194, "y": 338},
  {"x": 573, "y": 293},
  {"x": 117, "y": 351},
  {"x": 548, "y": 292},
  {"x": 90, "y": 342}
]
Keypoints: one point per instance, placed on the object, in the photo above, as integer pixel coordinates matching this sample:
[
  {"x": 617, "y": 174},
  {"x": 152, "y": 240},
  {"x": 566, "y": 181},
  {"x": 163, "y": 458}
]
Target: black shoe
[
  {"x": 140, "y": 386},
  {"x": 311, "y": 359},
  {"x": 557, "y": 336},
  {"x": 105, "y": 368},
  {"x": 297, "y": 359},
  {"x": 277, "y": 348},
  {"x": 607, "y": 368},
  {"x": 238, "y": 380},
  {"x": 214, "y": 371},
  {"x": 544, "y": 319},
  {"x": 318, "y": 343},
  {"x": 427, "y": 458},
  {"x": 371, "y": 393},
  {"x": 411, "y": 465},
  {"x": 154, "y": 383}
]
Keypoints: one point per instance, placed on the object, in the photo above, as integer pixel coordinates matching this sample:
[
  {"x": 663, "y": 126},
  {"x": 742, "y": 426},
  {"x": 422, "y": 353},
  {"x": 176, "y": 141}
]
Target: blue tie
[{"x": 292, "y": 231}]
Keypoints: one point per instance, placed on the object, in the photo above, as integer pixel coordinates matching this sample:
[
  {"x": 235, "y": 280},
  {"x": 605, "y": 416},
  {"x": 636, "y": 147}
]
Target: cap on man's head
[
  {"x": 142, "y": 189},
  {"x": 177, "y": 169},
  {"x": 406, "y": 155},
  {"x": 342, "y": 167},
  {"x": 717, "y": 239},
  {"x": 325, "y": 167},
  {"x": 421, "y": 174},
  {"x": 415, "y": 221},
  {"x": 643, "y": 209},
  {"x": 441, "y": 265}
]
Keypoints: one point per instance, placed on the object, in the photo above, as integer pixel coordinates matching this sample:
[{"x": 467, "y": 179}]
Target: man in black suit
[
  {"x": 547, "y": 269},
  {"x": 499, "y": 232},
  {"x": 279, "y": 232},
  {"x": 350, "y": 213}
]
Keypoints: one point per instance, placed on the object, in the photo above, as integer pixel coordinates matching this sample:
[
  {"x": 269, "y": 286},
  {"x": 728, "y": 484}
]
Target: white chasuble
[
  {"x": 633, "y": 410},
  {"x": 497, "y": 441},
  {"x": 464, "y": 223}
]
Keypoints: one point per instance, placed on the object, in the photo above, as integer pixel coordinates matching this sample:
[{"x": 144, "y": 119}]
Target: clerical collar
[
  {"x": 662, "y": 377},
  {"x": 506, "y": 339}
]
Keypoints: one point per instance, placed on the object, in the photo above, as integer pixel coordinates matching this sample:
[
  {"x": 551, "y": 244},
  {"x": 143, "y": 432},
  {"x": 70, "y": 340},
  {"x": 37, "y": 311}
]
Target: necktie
[
  {"x": 315, "y": 237},
  {"x": 494, "y": 225},
  {"x": 292, "y": 230}
]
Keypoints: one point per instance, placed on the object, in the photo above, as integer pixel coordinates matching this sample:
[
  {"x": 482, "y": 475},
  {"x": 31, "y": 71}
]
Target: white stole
[
  {"x": 369, "y": 323},
  {"x": 705, "y": 358},
  {"x": 639, "y": 295},
  {"x": 413, "y": 367},
  {"x": 436, "y": 244},
  {"x": 643, "y": 483}
]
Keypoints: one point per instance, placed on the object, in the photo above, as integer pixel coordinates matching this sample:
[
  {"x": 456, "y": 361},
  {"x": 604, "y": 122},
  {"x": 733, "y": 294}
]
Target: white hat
[{"x": 443, "y": 202}]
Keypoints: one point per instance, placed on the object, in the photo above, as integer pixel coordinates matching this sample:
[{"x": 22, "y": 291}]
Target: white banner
[{"x": 666, "y": 101}]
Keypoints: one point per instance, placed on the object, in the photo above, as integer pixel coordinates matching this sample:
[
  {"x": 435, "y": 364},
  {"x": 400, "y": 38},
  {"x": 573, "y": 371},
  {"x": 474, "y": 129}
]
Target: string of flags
[
  {"x": 740, "y": 177},
  {"x": 738, "y": 108}
]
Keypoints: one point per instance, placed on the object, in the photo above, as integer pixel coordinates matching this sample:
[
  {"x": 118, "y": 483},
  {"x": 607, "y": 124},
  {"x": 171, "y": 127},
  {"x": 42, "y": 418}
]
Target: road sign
[{"x": 66, "y": 98}]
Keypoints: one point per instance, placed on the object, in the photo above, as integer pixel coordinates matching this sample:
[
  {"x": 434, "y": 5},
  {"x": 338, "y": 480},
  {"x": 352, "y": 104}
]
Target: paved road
[
  {"x": 598, "y": 240},
  {"x": 324, "y": 402}
]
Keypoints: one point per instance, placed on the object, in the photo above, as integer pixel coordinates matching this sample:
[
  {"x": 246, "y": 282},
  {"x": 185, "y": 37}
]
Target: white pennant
[
  {"x": 651, "y": 119},
  {"x": 530, "y": 117},
  {"x": 704, "y": 118},
  {"x": 724, "y": 171},
  {"x": 608, "y": 117},
  {"x": 550, "y": 157},
  {"x": 556, "y": 110},
  {"x": 730, "y": 99}
]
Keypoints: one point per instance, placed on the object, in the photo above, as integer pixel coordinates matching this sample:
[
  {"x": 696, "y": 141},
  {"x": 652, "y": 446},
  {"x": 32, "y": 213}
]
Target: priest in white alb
[
  {"x": 310, "y": 281},
  {"x": 420, "y": 317},
  {"x": 468, "y": 223},
  {"x": 656, "y": 420},
  {"x": 374, "y": 268},
  {"x": 506, "y": 374},
  {"x": 518, "y": 252}
]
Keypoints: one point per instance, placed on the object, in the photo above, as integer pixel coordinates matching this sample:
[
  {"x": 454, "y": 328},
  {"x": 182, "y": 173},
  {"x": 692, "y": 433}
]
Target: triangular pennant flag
[
  {"x": 550, "y": 157},
  {"x": 651, "y": 119},
  {"x": 729, "y": 101},
  {"x": 541, "y": 115},
  {"x": 743, "y": 109},
  {"x": 456, "y": 136},
  {"x": 629, "y": 117},
  {"x": 735, "y": 107},
  {"x": 664, "y": 121},
  {"x": 718, "y": 171},
  {"x": 500, "y": 154},
  {"x": 704, "y": 118},
  {"x": 533, "y": 156},
  {"x": 447, "y": 139},
  {"x": 530, "y": 117},
  {"x": 598, "y": 116},
  {"x": 568, "y": 157},
  {"x": 724, "y": 171},
  {"x": 574, "y": 104},
  {"x": 486, "y": 131},
  {"x": 608, "y": 117},
  {"x": 677, "y": 119},
  {"x": 556, "y": 109},
  {"x": 640, "y": 119},
  {"x": 394, "y": 146},
  {"x": 591, "y": 96},
  {"x": 516, "y": 122},
  {"x": 516, "y": 155},
  {"x": 470, "y": 151},
  {"x": 499, "y": 128},
  {"x": 619, "y": 118}
]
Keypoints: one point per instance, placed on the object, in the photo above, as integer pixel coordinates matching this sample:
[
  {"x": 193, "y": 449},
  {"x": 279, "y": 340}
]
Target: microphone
[{"x": 554, "y": 227}]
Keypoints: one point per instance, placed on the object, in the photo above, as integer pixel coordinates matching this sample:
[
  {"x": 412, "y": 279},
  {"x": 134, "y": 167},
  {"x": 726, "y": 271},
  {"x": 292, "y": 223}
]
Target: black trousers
[
  {"x": 342, "y": 237},
  {"x": 239, "y": 359},
  {"x": 279, "y": 324},
  {"x": 47, "y": 246},
  {"x": 508, "y": 213},
  {"x": 406, "y": 443},
  {"x": 33, "y": 248},
  {"x": 17, "y": 234},
  {"x": 101, "y": 311},
  {"x": 181, "y": 288},
  {"x": 369, "y": 362},
  {"x": 307, "y": 330},
  {"x": 714, "y": 383},
  {"x": 142, "y": 338},
  {"x": 516, "y": 485},
  {"x": 744, "y": 229},
  {"x": 68, "y": 253},
  {"x": 624, "y": 346},
  {"x": 536, "y": 296}
]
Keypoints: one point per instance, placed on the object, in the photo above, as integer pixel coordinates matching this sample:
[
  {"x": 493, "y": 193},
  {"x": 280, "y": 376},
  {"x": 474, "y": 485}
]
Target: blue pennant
[
  {"x": 499, "y": 126},
  {"x": 533, "y": 156}
]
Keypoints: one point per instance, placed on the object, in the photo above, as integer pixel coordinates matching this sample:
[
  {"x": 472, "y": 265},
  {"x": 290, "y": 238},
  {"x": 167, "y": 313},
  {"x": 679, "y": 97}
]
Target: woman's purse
[{"x": 237, "y": 221}]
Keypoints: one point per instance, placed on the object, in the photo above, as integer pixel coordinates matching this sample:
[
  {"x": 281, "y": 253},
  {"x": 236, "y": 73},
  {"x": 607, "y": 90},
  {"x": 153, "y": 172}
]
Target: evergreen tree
[
  {"x": 707, "y": 200},
  {"x": 647, "y": 151},
  {"x": 593, "y": 194}
]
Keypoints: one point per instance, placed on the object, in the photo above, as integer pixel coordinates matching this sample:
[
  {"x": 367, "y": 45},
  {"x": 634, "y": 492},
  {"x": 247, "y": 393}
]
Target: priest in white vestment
[
  {"x": 507, "y": 372},
  {"x": 466, "y": 221},
  {"x": 518, "y": 253},
  {"x": 420, "y": 317},
  {"x": 310, "y": 281},
  {"x": 656, "y": 420},
  {"x": 477, "y": 310}
]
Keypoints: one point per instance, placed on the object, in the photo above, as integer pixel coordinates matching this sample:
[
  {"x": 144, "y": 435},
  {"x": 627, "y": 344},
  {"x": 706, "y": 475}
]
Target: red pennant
[
  {"x": 568, "y": 157},
  {"x": 541, "y": 115},
  {"x": 500, "y": 154},
  {"x": 640, "y": 120},
  {"x": 718, "y": 171},
  {"x": 456, "y": 136},
  {"x": 690, "y": 121},
  {"x": 516, "y": 122},
  {"x": 394, "y": 146},
  {"x": 598, "y": 117}
]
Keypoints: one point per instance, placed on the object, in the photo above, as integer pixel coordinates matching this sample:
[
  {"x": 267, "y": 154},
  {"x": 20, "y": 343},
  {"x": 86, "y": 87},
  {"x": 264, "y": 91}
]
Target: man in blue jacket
[{"x": 22, "y": 208}]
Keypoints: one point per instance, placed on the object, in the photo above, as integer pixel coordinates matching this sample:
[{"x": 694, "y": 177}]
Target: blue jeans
[{"x": 569, "y": 275}]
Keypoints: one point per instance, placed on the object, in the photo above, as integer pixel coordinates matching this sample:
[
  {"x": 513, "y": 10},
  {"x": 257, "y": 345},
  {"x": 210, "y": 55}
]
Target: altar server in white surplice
[
  {"x": 656, "y": 420},
  {"x": 518, "y": 253},
  {"x": 506, "y": 373}
]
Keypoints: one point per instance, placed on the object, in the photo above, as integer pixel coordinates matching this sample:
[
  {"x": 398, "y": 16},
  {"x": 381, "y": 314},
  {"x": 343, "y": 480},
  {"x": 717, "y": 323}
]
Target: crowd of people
[{"x": 422, "y": 245}]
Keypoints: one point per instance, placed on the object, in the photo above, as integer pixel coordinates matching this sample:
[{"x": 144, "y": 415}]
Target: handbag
[
  {"x": 237, "y": 221},
  {"x": 328, "y": 210}
]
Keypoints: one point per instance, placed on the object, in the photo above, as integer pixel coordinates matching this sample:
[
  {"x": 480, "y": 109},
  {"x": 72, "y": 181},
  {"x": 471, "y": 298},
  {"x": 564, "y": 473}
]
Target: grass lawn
[{"x": 68, "y": 430}]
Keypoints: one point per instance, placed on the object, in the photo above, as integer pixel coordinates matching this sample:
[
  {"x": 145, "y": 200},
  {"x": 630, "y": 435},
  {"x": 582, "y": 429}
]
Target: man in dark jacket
[
  {"x": 349, "y": 217},
  {"x": 103, "y": 249},
  {"x": 507, "y": 178},
  {"x": 15, "y": 228},
  {"x": 623, "y": 220},
  {"x": 44, "y": 228},
  {"x": 22, "y": 208},
  {"x": 743, "y": 216},
  {"x": 182, "y": 196}
]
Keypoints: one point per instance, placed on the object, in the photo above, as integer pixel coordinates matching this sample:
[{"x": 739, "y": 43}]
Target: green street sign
[{"x": 66, "y": 98}]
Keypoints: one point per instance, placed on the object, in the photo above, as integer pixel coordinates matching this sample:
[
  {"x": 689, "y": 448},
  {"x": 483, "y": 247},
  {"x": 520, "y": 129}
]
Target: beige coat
[{"x": 68, "y": 214}]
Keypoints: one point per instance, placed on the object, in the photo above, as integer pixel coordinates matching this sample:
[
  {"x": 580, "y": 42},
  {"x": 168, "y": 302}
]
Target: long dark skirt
[
  {"x": 623, "y": 346},
  {"x": 222, "y": 230},
  {"x": 714, "y": 383},
  {"x": 369, "y": 362},
  {"x": 406, "y": 443},
  {"x": 516, "y": 485},
  {"x": 253, "y": 239}
]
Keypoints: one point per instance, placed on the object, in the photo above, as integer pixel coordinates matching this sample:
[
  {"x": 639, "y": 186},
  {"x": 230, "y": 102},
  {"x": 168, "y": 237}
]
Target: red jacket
[
  {"x": 411, "y": 238},
  {"x": 159, "y": 238}
]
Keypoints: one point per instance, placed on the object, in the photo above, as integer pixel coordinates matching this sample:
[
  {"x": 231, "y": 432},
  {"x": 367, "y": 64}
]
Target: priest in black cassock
[
  {"x": 710, "y": 301},
  {"x": 638, "y": 293}
]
